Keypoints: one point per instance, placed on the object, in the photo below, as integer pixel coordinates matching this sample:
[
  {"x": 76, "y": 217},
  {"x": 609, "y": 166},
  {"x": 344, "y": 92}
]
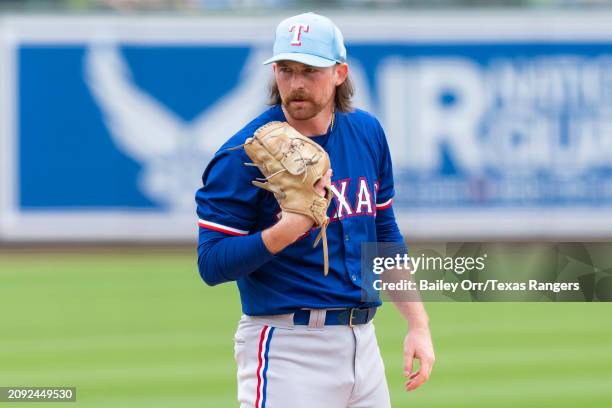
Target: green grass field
[{"x": 140, "y": 329}]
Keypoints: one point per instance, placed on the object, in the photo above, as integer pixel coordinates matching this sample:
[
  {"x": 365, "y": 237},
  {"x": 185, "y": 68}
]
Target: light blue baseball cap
[{"x": 310, "y": 39}]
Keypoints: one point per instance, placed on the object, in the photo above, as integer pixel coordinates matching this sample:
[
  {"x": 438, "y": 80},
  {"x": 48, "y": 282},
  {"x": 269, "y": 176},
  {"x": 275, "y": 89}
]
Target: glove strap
[
  {"x": 325, "y": 252},
  {"x": 323, "y": 235}
]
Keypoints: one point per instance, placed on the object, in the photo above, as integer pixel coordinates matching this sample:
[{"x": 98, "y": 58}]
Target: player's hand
[
  {"x": 323, "y": 181},
  {"x": 418, "y": 346}
]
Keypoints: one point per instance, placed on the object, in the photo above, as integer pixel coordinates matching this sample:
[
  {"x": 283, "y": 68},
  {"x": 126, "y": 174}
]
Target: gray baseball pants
[{"x": 282, "y": 365}]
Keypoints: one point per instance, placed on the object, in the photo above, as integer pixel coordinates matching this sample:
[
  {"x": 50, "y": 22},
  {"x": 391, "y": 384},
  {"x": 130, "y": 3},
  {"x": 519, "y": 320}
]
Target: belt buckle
[{"x": 351, "y": 317}]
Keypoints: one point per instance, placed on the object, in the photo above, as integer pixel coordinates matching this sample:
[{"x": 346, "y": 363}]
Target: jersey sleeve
[
  {"x": 386, "y": 225},
  {"x": 385, "y": 189},
  {"x": 227, "y": 201},
  {"x": 228, "y": 246}
]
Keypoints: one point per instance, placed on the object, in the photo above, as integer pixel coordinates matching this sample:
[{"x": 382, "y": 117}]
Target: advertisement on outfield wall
[{"x": 496, "y": 130}]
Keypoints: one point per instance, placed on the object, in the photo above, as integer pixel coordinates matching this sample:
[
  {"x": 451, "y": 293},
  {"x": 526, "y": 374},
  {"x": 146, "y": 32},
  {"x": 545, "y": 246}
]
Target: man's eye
[
  {"x": 285, "y": 69},
  {"x": 310, "y": 70}
]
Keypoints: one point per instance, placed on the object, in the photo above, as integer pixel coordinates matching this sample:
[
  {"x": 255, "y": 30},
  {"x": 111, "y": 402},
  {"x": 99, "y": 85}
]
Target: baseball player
[{"x": 306, "y": 338}]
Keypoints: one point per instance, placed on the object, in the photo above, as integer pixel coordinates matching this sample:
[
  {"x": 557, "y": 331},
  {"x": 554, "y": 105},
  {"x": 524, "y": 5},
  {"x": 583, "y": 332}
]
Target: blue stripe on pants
[{"x": 265, "y": 377}]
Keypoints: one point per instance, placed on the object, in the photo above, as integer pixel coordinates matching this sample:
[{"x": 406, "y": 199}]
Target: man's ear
[{"x": 341, "y": 73}]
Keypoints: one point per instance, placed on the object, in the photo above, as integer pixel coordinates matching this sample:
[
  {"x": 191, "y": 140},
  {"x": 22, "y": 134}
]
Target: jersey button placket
[
  {"x": 351, "y": 250},
  {"x": 347, "y": 248}
]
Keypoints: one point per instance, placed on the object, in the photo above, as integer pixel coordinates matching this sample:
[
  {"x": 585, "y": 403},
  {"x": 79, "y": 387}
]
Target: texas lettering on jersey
[{"x": 364, "y": 202}]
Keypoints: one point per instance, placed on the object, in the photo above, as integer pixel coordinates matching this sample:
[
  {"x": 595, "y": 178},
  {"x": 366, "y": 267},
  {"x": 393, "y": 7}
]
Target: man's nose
[{"x": 297, "y": 81}]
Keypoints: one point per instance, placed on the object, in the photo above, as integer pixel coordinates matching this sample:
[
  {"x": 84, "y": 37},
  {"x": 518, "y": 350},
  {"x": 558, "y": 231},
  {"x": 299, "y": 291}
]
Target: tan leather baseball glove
[{"x": 292, "y": 164}]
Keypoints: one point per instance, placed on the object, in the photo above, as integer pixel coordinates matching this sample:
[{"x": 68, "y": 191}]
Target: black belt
[{"x": 350, "y": 317}]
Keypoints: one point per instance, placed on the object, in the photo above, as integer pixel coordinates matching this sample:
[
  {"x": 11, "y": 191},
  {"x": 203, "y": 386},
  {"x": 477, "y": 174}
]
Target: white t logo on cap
[{"x": 297, "y": 33}]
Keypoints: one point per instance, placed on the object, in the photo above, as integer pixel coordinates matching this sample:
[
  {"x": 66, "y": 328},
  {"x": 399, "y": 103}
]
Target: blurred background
[{"x": 499, "y": 118}]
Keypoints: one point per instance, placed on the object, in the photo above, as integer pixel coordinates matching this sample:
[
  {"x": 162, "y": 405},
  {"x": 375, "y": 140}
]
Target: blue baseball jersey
[{"x": 232, "y": 213}]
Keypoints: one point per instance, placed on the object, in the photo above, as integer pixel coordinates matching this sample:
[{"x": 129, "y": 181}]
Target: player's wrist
[
  {"x": 285, "y": 232},
  {"x": 421, "y": 322},
  {"x": 295, "y": 224}
]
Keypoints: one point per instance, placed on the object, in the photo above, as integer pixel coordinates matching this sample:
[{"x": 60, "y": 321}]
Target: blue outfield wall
[{"x": 501, "y": 133}]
